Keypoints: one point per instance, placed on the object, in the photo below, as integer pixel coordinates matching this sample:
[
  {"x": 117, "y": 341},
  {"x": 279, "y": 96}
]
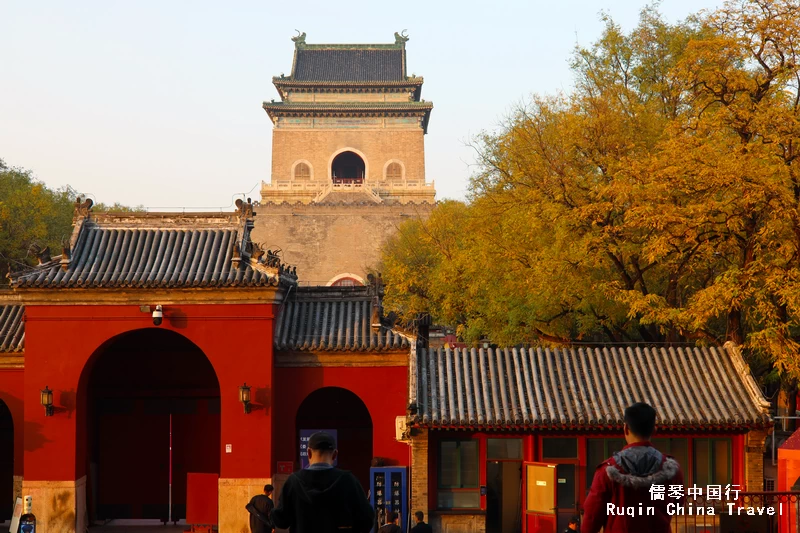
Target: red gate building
[
  {"x": 137, "y": 403},
  {"x": 508, "y": 439}
]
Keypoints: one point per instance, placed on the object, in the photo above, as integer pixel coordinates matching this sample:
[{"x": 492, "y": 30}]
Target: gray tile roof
[
  {"x": 12, "y": 328},
  {"x": 347, "y": 109},
  {"x": 585, "y": 387},
  {"x": 146, "y": 251},
  {"x": 332, "y": 318},
  {"x": 348, "y": 64}
]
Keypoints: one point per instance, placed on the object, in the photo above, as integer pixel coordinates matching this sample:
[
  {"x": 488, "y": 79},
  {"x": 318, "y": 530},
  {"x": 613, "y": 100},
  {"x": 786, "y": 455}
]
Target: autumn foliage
[{"x": 656, "y": 201}]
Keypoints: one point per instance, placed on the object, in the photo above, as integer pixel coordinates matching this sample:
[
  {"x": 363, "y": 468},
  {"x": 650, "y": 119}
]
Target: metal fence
[{"x": 751, "y": 512}]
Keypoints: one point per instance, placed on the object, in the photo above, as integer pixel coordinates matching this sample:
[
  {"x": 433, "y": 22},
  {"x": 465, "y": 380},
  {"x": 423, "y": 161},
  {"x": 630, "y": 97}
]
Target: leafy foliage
[
  {"x": 658, "y": 201},
  {"x": 32, "y": 217}
]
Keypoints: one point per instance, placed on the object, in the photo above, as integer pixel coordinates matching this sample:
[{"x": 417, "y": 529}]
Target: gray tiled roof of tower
[
  {"x": 12, "y": 328},
  {"x": 585, "y": 387},
  {"x": 320, "y": 106},
  {"x": 348, "y": 64}
]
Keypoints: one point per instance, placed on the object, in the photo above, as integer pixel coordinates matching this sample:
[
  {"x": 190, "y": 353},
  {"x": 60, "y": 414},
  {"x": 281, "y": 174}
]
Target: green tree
[
  {"x": 659, "y": 200},
  {"x": 32, "y": 218}
]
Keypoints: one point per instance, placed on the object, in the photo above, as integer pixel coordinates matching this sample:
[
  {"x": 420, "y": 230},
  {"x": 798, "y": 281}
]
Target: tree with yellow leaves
[{"x": 658, "y": 201}]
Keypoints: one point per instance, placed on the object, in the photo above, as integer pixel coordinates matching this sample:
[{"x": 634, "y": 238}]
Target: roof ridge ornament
[
  {"x": 83, "y": 206},
  {"x": 400, "y": 38},
  {"x": 65, "y": 256},
  {"x": 299, "y": 39},
  {"x": 244, "y": 209}
]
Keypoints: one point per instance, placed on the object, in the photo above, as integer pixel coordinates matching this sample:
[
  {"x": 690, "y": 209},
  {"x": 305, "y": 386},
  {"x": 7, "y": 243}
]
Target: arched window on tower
[
  {"x": 346, "y": 279},
  {"x": 346, "y": 282},
  {"x": 394, "y": 172},
  {"x": 302, "y": 172},
  {"x": 347, "y": 168}
]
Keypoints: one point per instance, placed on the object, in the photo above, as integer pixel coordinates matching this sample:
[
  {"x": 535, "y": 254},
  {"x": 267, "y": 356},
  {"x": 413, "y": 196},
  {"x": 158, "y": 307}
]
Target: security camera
[{"x": 158, "y": 315}]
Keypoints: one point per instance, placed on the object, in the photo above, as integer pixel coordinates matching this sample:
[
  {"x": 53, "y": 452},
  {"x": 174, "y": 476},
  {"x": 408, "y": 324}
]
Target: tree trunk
[
  {"x": 735, "y": 328},
  {"x": 791, "y": 408}
]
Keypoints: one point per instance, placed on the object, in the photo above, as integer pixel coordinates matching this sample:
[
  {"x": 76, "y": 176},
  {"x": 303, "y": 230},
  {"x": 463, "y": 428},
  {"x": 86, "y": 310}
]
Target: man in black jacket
[
  {"x": 321, "y": 498},
  {"x": 421, "y": 526},
  {"x": 260, "y": 508}
]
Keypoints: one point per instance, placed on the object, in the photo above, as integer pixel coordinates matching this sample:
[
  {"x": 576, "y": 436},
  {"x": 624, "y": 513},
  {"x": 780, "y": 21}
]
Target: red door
[
  {"x": 133, "y": 460},
  {"x": 539, "y": 505},
  {"x": 195, "y": 445}
]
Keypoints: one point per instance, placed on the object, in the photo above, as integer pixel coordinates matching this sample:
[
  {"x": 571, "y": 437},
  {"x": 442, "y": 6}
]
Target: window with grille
[
  {"x": 769, "y": 485},
  {"x": 458, "y": 475},
  {"x": 302, "y": 172},
  {"x": 394, "y": 171},
  {"x": 712, "y": 461}
]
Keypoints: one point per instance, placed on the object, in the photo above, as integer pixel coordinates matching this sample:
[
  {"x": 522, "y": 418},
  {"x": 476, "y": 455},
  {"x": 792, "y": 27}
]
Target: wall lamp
[
  {"x": 244, "y": 397},
  {"x": 47, "y": 400}
]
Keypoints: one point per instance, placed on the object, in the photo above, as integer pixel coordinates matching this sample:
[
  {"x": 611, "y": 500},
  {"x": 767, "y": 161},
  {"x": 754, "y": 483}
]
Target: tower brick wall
[{"x": 318, "y": 147}]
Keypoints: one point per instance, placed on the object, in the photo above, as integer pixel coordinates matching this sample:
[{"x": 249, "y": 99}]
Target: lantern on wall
[
  {"x": 244, "y": 397},
  {"x": 47, "y": 400}
]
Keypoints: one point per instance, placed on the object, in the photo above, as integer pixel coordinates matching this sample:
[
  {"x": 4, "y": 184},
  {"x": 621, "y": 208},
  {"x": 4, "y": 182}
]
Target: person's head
[
  {"x": 419, "y": 516},
  {"x": 391, "y": 518},
  {"x": 321, "y": 448},
  {"x": 640, "y": 423},
  {"x": 268, "y": 490},
  {"x": 573, "y": 523}
]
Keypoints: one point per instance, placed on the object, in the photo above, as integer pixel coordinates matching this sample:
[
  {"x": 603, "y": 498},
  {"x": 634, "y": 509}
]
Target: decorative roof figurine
[
  {"x": 399, "y": 38},
  {"x": 299, "y": 39},
  {"x": 83, "y": 206}
]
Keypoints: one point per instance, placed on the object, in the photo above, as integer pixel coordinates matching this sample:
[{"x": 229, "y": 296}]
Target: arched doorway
[
  {"x": 6, "y": 462},
  {"x": 338, "y": 409},
  {"x": 347, "y": 168},
  {"x": 153, "y": 417}
]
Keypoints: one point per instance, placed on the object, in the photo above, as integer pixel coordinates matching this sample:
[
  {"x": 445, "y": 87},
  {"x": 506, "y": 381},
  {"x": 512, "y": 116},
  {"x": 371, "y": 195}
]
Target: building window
[
  {"x": 500, "y": 449},
  {"x": 459, "y": 479},
  {"x": 348, "y": 168},
  {"x": 712, "y": 461},
  {"x": 394, "y": 171},
  {"x": 559, "y": 448},
  {"x": 678, "y": 448},
  {"x": 302, "y": 172},
  {"x": 346, "y": 282}
]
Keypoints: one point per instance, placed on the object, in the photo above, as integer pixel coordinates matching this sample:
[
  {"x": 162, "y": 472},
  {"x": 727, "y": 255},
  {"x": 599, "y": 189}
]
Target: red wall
[
  {"x": 61, "y": 340},
  {"x": 382, "y": 389},
  {"x": 11, "y": 387}
]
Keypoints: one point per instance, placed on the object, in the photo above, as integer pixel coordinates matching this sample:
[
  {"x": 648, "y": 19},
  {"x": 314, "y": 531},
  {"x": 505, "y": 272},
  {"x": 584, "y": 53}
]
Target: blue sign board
[{"x": 304, "y": 436}]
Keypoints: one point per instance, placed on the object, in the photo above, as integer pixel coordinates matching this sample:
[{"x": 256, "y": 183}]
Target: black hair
[
  {"x": 574, "y": 519},
  {"x": 268, "y": 488},
  {"x": 641, "y": 419},
  {"x": 391, "y": 517},
  {"x": 419, "y": 515}
]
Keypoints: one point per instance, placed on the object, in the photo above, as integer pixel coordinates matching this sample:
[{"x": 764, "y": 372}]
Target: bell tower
[
  {"x": 349, "y": 126},
  {"x": 348, "y": 159}
]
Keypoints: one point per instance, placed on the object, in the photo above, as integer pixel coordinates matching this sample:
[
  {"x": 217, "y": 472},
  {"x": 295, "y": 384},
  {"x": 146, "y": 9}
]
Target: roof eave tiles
[{"x": 693, "y": 389}]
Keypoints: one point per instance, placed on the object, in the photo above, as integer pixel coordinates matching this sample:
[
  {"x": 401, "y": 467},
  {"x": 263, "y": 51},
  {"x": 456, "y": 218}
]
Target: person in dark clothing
[
  {"x": 260, "y": 508},
  {"x": 321, "y": 498},
  {"x": 573, "y": 526},
  {"x": 629, "y": 480},
  {"x": 391, "y": 524},
  {"x": 421, "y": 526}
]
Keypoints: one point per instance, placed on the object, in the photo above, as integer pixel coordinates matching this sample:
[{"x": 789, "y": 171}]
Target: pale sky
[{"x": 159, "y": 103}]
